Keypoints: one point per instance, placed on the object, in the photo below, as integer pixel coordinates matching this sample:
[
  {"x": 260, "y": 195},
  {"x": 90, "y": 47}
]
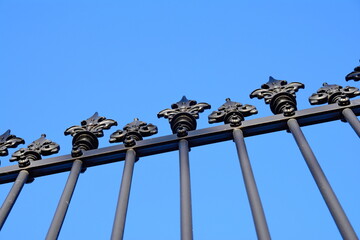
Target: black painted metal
[
  {"x": 169, "y": 143},
  {"x": 182, "y": 118},
  {"x": 12, "y": 196},
  {"x": 257, "y": 211},
  {"x": 33, "y": 152},
  {"x": 123, "y": 200},
  {"x": 64, "y": 202},
  {"x": 24, "y": 156},
  {"x": 341, "y": 220},
  {"x": 354, "y": 75},
  {"x": 337, "y": 94},
  {"x": 185, "y": 192},
  {"x": 85, "y": 136},
  {"x": 333, "y": 94},
  {"x": 132, "y": 132},
  {"x": 183, "y": 114},
  {"x": 351, "y": 118},
  {"x": 280, "y": 95},
  {"x": 232, "y": 113},
  {"x": 8, "y": 140},
  {"x": 84, "y": 139}
]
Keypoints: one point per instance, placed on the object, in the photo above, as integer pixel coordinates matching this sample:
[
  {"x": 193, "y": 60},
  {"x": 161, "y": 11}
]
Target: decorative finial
[
  {"x": 9, "y": 141},
  {"x": 280, "y": 95},
  {"x": 85, "y": 137},
  {"x": 33, "y": 152},
  {"x": 334, "y": 94},
  {"x": 132, "y": 132},
  {"x": 183, "y": 114},
  {"x": 232, "y": 112},
  {"x": 354, "y": 75}
]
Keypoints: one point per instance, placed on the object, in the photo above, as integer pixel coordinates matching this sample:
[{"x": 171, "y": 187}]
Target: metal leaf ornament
[
  {"x": 232, "y": 112},
  {"x": 354, "y": 75},
  {"x": 132, "y": 132},
  {"x": 333, "y": 94},
  {"x": 33, "y": 152},
  {"x": 94, "y": 124},
  {"x": 85, "y": 137},
  {"x": 184, "y": 106},
  {"x": 9, "y": 141},
  {"x": 183, "y": 114},
  {"x": 279, "y": 94}
]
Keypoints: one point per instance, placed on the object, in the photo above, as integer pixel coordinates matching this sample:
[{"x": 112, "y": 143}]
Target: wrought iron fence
[{"x": 182, "y": 116}]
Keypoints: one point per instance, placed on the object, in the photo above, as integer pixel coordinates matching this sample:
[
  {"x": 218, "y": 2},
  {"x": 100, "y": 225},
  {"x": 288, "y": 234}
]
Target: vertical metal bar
[
  {"x": 257, "y": 211},
  {"x": 12, "y": 196},
  {"x": 351, "y": 118},
  {"x": 185, "y": 192},
  {"x": 123, "y": 200},
  {"x": 341, "y": 220},
  {"x": 64, "y": 202}
]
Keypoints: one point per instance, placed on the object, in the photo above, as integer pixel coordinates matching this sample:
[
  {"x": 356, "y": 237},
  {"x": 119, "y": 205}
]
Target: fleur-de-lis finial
[
  {"x": 9, "y": 141},
  {"x": 333, "y": 94},
  {"x": 33, "y": 152},
  {"x": 85, "y": 137},
  {"x": 183, "y": 114},
  {"x": 354, "y": 75},
  {"x": 232, "y": 112},
  {"x": 280, "y": 95},
  {"x": 132, "y": 132}
]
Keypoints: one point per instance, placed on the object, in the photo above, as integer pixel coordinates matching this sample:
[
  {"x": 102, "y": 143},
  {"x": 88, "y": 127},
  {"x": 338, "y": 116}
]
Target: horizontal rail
[{"x": 169, "y": 143}]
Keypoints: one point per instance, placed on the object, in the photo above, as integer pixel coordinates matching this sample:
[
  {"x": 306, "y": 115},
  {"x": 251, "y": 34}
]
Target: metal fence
[{"x": 182, "y": 116}]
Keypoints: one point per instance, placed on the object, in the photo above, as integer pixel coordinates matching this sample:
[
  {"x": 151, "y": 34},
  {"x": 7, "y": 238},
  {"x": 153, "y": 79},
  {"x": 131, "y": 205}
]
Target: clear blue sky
[{"x": 60, "y": 61}]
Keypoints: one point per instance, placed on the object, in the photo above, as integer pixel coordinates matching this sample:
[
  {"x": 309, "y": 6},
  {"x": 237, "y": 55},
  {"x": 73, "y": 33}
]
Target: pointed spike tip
[
  {"x": 184, "y": 99},
  {"x": 6, "y": 133},
  {"x": 271, "y": 79}
]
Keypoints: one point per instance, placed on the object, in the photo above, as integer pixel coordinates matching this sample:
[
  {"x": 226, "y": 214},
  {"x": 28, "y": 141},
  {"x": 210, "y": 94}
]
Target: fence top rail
[{"x": 169, "y": 143}]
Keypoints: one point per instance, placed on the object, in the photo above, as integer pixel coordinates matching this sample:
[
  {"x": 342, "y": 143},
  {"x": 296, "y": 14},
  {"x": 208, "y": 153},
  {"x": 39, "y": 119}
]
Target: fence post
[
  {"x": 351, "y": 118},
  {"x": 257, "y": 210},
  {"x": 64, "y": 202},
  {"x": 182, "y": 118},
  {"x": 234, "y": 113},
  {"x": 185, "y": 192},
  {"x": 12, "y": 196},
  {"x": 341, "y": 220},
  {"x": 131, "y": 133},
  {"x": 84, "y": 139},
  {"x": 336, "y": 94},
  {"x": 123, "y": 200},
  {"x": 24, "y": 157}
]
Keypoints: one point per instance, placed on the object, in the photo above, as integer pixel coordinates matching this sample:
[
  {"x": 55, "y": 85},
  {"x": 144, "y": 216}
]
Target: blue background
[{"x": 60, "y": 61}]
